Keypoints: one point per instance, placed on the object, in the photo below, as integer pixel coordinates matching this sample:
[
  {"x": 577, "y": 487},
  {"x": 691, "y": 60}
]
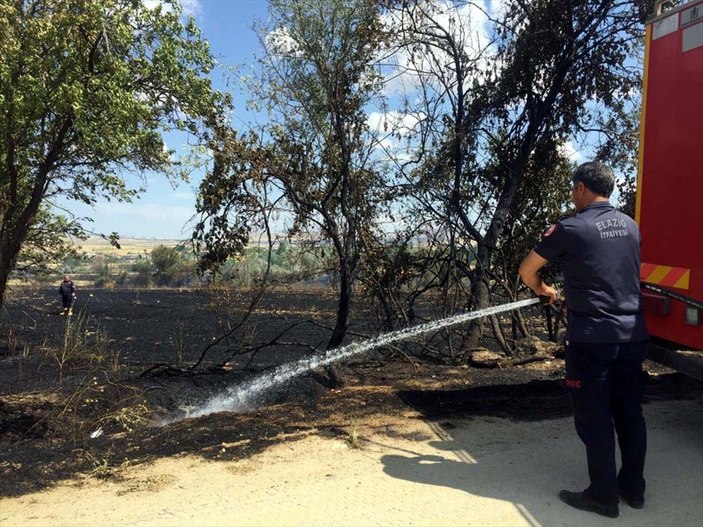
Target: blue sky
[{"x": 163, "y": 211}]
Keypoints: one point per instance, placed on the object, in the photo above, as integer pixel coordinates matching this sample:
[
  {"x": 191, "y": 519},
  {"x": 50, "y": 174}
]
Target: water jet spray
[{"x": 244, "y": 396}]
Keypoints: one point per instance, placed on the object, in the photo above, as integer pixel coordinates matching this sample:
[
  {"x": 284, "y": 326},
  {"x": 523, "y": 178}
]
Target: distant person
[
  {"x": 606, "y": 337},
  {"x": 67, "y": 290}
]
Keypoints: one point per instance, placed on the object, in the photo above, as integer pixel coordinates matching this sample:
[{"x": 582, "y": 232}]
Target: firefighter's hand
[{"x": 550, "y": 294}]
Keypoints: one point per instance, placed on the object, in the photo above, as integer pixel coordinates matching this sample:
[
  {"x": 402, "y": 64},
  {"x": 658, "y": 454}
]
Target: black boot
[
  {"x": 584, "y": 502},
  {"x": 635, "y": 503}
]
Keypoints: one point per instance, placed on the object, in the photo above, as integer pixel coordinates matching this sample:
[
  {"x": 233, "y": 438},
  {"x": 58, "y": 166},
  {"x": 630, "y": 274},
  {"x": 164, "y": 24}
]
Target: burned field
[{"x": 85, "y": 395}]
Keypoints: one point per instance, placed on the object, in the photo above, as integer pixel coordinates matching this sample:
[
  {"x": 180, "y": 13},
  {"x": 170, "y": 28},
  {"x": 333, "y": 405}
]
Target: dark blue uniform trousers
[{"x": 606, "y": 384}]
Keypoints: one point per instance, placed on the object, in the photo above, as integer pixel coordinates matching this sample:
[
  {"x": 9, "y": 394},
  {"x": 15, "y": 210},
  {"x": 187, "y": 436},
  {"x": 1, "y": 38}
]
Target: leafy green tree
[{"x": 87, "y": 87}]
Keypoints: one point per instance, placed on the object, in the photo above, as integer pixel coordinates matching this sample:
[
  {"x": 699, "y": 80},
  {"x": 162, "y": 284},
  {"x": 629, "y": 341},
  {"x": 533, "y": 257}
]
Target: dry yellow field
[{"x": 99, "y": 245}]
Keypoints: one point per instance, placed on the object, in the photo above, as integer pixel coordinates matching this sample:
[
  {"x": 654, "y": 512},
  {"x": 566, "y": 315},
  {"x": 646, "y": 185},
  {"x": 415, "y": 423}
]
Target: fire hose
[{"x": 672, "y": 294}]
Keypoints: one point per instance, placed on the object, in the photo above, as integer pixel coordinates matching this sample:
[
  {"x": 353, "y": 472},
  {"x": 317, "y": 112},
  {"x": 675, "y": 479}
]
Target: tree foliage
[
  {"x": 50, "y": 239},
  {"x": 87, "y": 88},
  {"x": 168, "y": 263}
]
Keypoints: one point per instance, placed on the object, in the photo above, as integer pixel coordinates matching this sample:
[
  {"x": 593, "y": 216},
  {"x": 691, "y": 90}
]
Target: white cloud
[
  {"x": 190, "y": 7},
  {"x": 569, "y": 150},
  {"x": 279, "y": 42},
  {"x": 386, "y": 144},
  {"x": 394, "y": 122},
  {"x": 470, "y": 26},
  {"x": 394, "y": 133},
  {"x": 495, "y": 8}
]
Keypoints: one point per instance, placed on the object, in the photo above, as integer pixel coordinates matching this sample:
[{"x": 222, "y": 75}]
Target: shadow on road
[{"x": 527, "y": 463}]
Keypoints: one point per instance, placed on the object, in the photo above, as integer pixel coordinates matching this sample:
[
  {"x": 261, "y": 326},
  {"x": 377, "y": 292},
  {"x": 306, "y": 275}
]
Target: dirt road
[{"x": 477, "y": 471}]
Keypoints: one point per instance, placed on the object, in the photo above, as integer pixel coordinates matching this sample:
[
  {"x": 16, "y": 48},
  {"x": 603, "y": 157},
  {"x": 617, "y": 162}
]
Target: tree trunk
[
  {"x": 498, "y": 332},
  {"x": 521, "y": 324},
  {"x": 334, "y": 371},
  {"x": 480, "y": 295},
  {"x": 17, "y": 217},
  {"x": 8, "y": 252},
  {"x": 11, "y": 239},
  {"x": 4, "y": 275}
]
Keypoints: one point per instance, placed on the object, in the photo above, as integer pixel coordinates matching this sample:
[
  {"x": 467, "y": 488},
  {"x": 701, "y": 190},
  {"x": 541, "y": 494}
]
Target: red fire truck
[{"x": 670, "y": 175}]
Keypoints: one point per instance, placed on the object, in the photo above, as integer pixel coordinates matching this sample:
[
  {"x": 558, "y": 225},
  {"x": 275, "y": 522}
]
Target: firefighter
[
  {"x": 67, "y": 290},
  {"x": 606, "y": 337}
]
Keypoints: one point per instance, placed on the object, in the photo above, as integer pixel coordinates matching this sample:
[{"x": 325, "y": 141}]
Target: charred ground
[{"x": 49, "y": 409}]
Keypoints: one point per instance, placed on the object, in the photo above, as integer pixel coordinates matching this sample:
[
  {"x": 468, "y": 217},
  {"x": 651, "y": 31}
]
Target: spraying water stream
[{"x": 244, "y": 396}]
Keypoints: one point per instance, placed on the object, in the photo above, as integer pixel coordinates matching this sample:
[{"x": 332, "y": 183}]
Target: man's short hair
[{"x": 596, "y": 177}]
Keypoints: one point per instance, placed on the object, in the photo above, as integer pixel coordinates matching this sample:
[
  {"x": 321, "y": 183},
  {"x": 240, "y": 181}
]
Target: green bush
[
  {"x": 142, "y": 273},
  {"x": 171, "y": 266}
]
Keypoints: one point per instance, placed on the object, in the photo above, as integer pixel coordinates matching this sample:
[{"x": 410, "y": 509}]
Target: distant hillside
[{"x": 98, "y": 244}]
